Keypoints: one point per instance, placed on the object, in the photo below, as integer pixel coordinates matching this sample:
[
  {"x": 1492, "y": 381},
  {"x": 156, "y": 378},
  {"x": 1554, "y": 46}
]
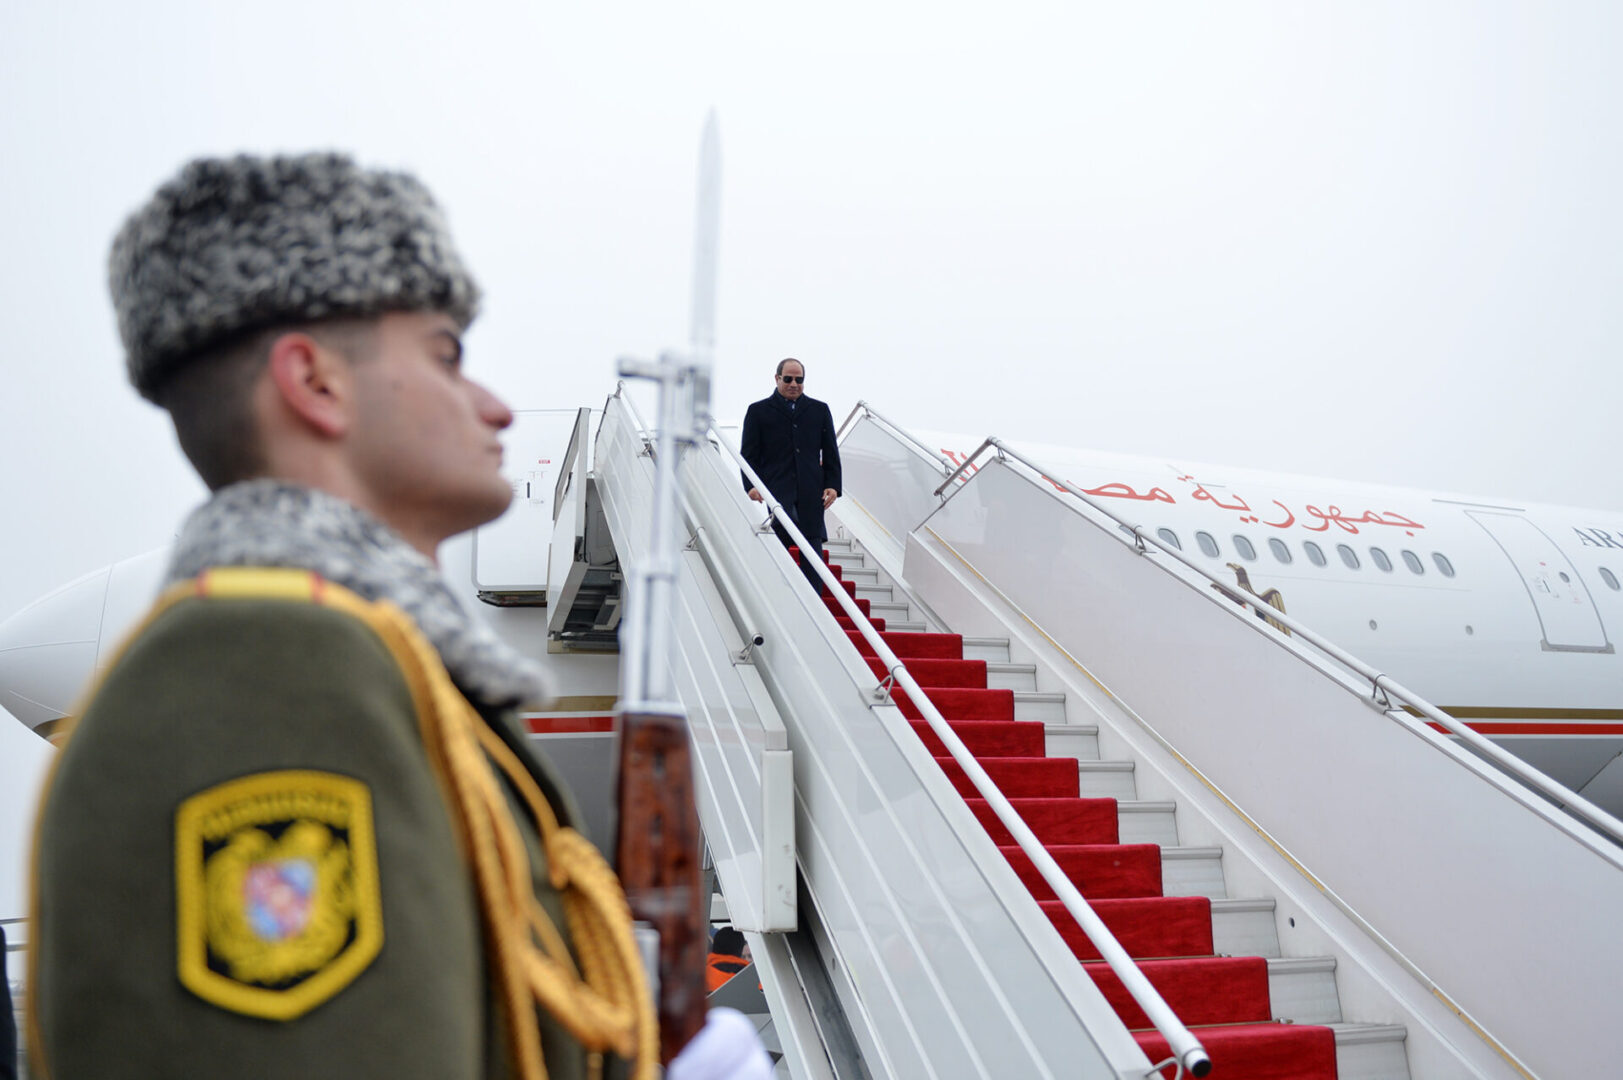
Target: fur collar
[{"x": 271, "y": 523}]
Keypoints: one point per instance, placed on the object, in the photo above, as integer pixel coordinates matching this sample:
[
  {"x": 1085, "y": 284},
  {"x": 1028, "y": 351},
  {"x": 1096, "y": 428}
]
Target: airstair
[{"x": 1314, "y": 883}]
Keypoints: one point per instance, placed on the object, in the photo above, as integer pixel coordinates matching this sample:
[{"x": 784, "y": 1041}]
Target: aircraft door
[{"x": 1565, "y": 610}]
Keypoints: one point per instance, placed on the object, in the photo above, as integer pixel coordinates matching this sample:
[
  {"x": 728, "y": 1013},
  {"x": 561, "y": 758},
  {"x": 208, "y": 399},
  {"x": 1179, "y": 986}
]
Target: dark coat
[{"x": 794, "y": 453}]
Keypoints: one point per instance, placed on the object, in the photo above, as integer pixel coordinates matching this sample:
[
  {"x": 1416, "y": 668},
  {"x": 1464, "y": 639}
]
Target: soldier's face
[
  {"x": 424, "y": 438},
  {"x": 788, "y": 389}
]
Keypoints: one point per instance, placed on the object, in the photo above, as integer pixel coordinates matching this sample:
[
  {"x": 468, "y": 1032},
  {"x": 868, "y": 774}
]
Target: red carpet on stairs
[
  {"x": 938, "y": 674},
  {"x": 1257, "y": 1051},
  {"x": 914, "y": 646},
  {"x": 864, "y": 606},
  {"x": 964, "y": 703},
  {"x": 847, "y": 623},
  {"x": 1146, "y": 926},
  {"x": 1223, "y": 999},
  {"x": 994, "y": 738},
  {"x": 1055, "y": 821},
  {"x": 1212, "y": 990}
]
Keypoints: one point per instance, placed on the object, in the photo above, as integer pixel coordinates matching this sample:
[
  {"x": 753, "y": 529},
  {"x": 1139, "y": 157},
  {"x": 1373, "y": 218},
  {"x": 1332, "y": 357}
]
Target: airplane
[{"x": 1496, "y": 610}]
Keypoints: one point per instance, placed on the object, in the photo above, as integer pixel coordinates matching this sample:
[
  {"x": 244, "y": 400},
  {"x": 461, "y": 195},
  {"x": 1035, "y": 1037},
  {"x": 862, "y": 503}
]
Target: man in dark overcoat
[{"x": 789, "y": 441}]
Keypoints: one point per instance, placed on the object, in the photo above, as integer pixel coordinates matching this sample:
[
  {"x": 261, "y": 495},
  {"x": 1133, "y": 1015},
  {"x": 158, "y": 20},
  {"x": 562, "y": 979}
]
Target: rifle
[{"x": 658, "y": 849}]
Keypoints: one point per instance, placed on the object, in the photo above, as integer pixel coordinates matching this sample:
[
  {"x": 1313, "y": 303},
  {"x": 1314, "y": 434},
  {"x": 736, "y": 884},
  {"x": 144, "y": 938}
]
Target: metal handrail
[
  {"x": 644, "y": 432},
  {"x": 863, "y": 407},
  {"x": 1382, "y": 686},
  {"x": 1190, "y": 1054}
]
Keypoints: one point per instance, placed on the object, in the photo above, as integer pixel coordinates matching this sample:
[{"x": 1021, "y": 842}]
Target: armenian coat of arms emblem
[{"x": 278, "y": 905}]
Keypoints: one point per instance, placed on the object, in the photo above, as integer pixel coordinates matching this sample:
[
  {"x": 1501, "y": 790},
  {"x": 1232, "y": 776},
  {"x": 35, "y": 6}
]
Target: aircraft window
[
  {"x": 1207, "y": 544},
  {"x": 1314, "y": 555},
  {"x": 1169, "y": 538},
  {"x": 1281, "y": 552},
  {"x": 1380, "y": 559},
  {"x": 1610, "y": 579},
  {"x": 1348, "y": 556},
  {"x": 1443, "y": 564},
  {"x": 1412, "y": 561},
  {"x": 1243, "y": 546}
]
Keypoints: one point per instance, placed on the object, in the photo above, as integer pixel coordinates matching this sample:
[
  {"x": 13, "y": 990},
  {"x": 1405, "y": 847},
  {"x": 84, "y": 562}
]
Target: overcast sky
[{"x": 1377, "y": 241}]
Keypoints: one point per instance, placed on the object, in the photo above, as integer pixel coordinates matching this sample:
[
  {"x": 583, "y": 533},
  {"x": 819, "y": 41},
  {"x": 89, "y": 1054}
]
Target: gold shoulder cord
[{"x": 610, "y": 1009}]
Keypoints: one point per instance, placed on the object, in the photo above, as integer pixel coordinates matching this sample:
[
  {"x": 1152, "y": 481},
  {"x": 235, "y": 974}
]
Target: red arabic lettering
[
  {"x": 1206, "y": 496},
  {"x": 1350, "y": 524},
  {"x": 1122, "y": 491},
  {"x": 1290, "y": 518}
]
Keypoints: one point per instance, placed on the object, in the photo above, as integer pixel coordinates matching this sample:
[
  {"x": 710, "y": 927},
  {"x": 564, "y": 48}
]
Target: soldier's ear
[{"x": 314, "y": 383}]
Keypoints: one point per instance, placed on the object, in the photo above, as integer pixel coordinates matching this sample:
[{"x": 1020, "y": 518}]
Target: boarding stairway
[
  {"x": 1216, "y": 958},
  {"x": 1242, "y": 855}
]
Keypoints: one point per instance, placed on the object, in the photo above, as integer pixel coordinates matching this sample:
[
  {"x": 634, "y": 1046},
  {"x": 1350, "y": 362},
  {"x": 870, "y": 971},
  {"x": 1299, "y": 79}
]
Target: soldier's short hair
[{"x": 209, "y": 397}]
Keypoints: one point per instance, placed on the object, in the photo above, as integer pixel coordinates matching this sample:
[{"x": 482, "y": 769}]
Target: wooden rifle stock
[{"x": 658, "y": 852}]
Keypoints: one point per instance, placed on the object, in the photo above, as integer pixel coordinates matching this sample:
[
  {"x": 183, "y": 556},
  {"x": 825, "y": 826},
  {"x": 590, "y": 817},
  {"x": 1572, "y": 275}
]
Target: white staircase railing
[
  {"x": 1383, "y": 688},
  {"x": 1415, "y": 851}
]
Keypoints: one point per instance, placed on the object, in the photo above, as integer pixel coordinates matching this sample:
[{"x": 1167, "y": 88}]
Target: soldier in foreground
[{"x": 296, "y": 831}]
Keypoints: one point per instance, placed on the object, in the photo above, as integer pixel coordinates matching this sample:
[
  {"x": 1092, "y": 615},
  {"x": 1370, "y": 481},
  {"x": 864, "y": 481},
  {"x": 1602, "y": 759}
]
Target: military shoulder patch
[{"x": 278, "y": 905}]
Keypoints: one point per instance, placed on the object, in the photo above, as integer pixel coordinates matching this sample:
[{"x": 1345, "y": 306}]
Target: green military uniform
[
  {"x": 295, "y": 832},
  {"x": 252, "y": 861}
]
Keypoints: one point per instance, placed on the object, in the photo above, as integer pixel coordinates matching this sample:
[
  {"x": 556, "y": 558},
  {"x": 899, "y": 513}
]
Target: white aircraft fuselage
[{"x": 1503, "y": 614}]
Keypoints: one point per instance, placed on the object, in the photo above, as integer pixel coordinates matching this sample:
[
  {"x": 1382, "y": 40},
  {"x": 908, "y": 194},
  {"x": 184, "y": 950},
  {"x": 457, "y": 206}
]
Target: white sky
[{"x": 1378, "y": 241}]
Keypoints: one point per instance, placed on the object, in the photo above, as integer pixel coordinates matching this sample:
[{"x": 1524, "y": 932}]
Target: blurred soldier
[{"x": 296, "y": 830}]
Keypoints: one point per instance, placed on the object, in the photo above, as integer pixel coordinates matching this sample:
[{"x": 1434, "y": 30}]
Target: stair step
[
  {"x": 1080, "y": 741},
  {"x": 896, "y": 611},
  {"x": 1147, "y": 926},
  {"x": 860, "y": 575},
  {"x": 879, "y": 594},
  {"x": 1039, "y": 708},
  {"x": 1199, "y": 990},
  {"x": 913, "y": 646},
  {"x": 992, "y": 650},
  {"x": 1148, "y": 822},
  {"x": 839, "y": 543},
  {"x": 990, "y": 738},
  {"x": 1371, "y": 1051},
  {"x": 1303, "y": 990},
  {"x": 1193, "y": 871},
  {"x": 1256, "y": 1050},
  {"x": 1053, "y": 821},
  {"x": 847, "y": 558},
  {"x": 1015, "y": 777},
  {"x": 1108, "y": 779},
  {"x": 1245, "y": 927},
  {"x": 969, "y": 675},
  {"x": 1011, "y": 676},
  {"x": 965, "y": 704},
  {"x": 1099, "y": 871}
]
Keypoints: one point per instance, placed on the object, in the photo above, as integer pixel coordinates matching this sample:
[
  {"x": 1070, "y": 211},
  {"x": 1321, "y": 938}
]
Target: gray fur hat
[{"x": 234, "y": 245}]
